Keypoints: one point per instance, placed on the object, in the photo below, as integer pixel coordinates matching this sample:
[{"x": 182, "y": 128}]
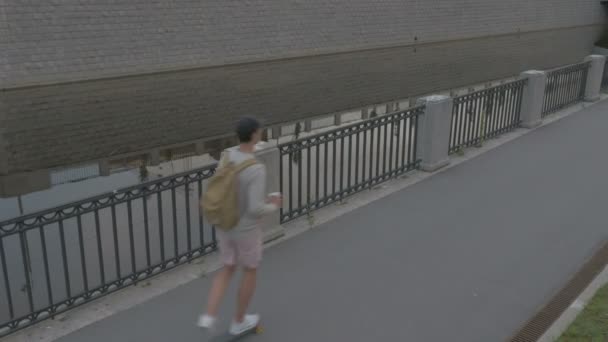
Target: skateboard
[{"x": 227, "y": 337}]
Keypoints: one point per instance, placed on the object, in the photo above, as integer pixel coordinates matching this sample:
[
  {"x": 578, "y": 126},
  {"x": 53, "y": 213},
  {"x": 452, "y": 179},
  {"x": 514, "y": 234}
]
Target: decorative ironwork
[
  {"x": 485, "y": 114},
  {"x": 59, "y": 258},
  {"x": 565, "y": 87},
  {"x": 325, "y": 168}
]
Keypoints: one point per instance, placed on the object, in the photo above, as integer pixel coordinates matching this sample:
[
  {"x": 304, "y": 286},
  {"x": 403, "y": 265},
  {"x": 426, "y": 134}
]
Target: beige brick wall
[
  {"x": 71, "y": 123},
  {"x": 52, "y": 41}
]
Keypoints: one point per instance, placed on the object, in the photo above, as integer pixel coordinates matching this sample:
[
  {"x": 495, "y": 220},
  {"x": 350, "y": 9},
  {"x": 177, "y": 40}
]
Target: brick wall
[
  {"x": 3, "y": 145},
  {"x": 54, "y": 41},
  {"x": 70, "y": 123}
]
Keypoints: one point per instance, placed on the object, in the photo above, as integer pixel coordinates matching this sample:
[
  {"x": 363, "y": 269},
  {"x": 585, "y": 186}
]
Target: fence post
[
  {"x": 364, "y": 113},
  {"x": 307, "y": 125},
  {"x": 338, "y": 119},
  {"x": 390, "y": 108},
  {"x": 104, "y": 168},
  {"x": 154, "y": 157},
  {"x": 413, "y": 101},
  {"x": 594, "y": 77},
  {"x": 433, "y": 141},
  {"x": 271, "y": 158},
  {"x": 533, "y": 98},
  {"x": 276, "y": 132}
]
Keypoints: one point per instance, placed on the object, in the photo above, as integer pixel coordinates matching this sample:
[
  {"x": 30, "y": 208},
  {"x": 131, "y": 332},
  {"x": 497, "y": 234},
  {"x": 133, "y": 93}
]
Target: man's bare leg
[
  {"x": 248, "y": 284},
  {"x": 221, "y": 281}
]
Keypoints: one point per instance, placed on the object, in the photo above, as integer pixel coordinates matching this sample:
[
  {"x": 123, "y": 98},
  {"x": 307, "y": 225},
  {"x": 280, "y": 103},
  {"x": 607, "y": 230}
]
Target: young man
[{"x": 242, "y": 245}]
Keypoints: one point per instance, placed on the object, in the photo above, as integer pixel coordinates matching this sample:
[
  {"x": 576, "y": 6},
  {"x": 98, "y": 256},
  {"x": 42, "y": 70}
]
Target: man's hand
[{"x": 276, "y": 199}]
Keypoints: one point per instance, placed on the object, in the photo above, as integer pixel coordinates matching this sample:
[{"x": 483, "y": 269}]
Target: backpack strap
[
  {"x": 247, "y": 163},
  {"x": 225, "y": 160}
]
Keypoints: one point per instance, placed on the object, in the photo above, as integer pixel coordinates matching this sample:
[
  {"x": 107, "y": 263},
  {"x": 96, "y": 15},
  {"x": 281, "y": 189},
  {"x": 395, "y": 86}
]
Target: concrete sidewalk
[{"x": 467, "y": 255}]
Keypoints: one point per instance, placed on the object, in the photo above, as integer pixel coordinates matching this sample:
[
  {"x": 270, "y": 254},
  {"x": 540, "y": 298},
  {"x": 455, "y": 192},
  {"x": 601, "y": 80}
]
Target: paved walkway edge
[
  {"x": 564, "y": 321},
  {"x": 78, "y": 318}
]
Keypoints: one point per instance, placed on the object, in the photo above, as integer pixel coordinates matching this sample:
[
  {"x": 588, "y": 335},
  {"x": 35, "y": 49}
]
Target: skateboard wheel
[{"x": 259, "y": 330}]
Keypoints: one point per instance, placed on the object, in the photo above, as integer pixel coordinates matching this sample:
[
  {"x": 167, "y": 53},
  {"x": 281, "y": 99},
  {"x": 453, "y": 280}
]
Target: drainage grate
[{"x": 539, "y": 324}]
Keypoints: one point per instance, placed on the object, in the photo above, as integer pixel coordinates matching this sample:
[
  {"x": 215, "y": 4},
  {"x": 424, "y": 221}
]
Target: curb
[{"x": 564, "y": 321}]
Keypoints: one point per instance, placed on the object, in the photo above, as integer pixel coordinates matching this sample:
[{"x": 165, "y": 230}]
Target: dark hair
[{"x": 245, "y": 129}]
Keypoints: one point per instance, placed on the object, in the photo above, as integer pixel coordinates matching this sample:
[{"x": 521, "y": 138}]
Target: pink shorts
[{"x": 243, "y": 249}]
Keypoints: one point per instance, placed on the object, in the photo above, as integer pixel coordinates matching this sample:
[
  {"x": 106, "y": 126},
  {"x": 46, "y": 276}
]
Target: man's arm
[{"x": 256, "y": 198}]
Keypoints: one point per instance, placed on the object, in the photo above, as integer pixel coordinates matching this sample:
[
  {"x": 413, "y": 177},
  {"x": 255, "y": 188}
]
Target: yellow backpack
[{"x": 220, "y": 202}]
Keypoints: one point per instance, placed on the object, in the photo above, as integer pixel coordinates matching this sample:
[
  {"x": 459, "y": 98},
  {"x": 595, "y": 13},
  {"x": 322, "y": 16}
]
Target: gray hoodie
[{"x": 252, "y": 191}]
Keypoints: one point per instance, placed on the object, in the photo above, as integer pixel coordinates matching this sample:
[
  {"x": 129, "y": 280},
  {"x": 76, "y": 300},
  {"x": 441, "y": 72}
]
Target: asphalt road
[{"x": 467, "y": 255}]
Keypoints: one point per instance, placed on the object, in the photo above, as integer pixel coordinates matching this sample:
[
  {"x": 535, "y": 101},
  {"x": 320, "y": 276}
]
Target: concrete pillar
[
  {"x": 365, "y": 113},
  {"x": 24, "y": 183},
  {"x": 271, "y": 158},
  {"x": 338, "y": 119},
  {"x": 154, "y": 157},
  {"x": 104, "y": 168},
  {"x": 276, "y": 132},
  {"x": 533, "y": 98},
  {"x": 413, "y": 101},
  {"x": 594, "y": 77},
  {"x": 434, "y": 132},
  {"x": 389, "y": 108},
  {"x": 308, "y": 125}
]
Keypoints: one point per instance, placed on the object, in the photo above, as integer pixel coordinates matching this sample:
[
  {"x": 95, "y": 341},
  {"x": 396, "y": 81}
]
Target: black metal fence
[
  {"x": 565, "y": 87},
  {"x": 485, "y": 114},
  {"x": 57, "y": 259},
  {"x": 325, "y": 168}
]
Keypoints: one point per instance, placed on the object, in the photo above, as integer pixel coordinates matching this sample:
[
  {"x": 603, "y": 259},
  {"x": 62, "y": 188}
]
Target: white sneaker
[
  {"x": 206, "y": 322},
  {"x": 249, "y": 322}
]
